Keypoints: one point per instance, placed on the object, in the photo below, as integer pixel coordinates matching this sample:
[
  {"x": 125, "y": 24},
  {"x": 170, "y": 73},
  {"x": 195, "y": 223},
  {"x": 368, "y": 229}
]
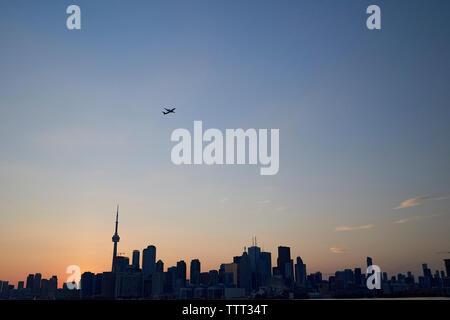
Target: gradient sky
[{"x": 363, "y": 116}]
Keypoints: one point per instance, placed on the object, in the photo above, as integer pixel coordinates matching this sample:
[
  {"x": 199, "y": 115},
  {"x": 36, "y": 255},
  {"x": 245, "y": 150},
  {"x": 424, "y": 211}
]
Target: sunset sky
[{"x": 363, "y": 116}]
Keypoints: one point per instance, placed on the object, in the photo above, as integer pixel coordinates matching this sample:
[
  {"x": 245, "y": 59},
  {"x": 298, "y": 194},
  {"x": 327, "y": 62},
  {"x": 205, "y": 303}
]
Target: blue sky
[{"x": 363, "y": 118}]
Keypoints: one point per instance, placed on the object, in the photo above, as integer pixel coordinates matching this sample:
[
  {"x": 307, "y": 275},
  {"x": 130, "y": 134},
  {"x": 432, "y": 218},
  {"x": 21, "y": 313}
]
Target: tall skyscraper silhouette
[
  {"x": 115, "y": 239},
  {"x": 87, "y": 285},
  {"x": 254, "y": 252},
  {"x": 159, "y": 266},
  {"x": 447, "y": 266},
  {"x": 180, "y": 281},
  {"x": 261, "y": 265},
  {"x": 369, "y": 261},
  {"x": 30, "y": 280},
  {"x": 300, "y": 272},
  {"x": 148, "y": 261},
  {"x": 136, "y": 255},
  {"x": 195, "y": 272},
  {"x": 284, "y": 257},
  {"x": 245, "y": 273},
  {"x": 426, "y": 271},
  {"x": 265, "y": 267},
  {"x": 171, "y": 279},
  {"x": 36, "y": 285}
]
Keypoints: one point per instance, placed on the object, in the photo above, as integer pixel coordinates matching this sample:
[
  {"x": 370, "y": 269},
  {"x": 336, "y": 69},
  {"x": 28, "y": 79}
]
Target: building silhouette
[
  {"x": 136, "y": 257},
  {"x": 245, "y": 272},
  {"x": 300, "y": 273},
  {"x": 369, "y": 261},
  {"x": 159, "y": 266},
  {"x": 180, "y": 280},
  {"x": 87, "y": 285},
  {"x": 194, "y": 278},
  {"x": 447, "y": 267},
  {"x": 148, "y": 261}
]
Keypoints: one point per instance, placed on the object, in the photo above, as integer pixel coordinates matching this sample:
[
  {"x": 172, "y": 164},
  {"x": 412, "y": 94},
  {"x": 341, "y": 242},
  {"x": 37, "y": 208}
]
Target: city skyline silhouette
[
  {"x": 247, "y": 276},
  {"x": 362, "y": 114}
]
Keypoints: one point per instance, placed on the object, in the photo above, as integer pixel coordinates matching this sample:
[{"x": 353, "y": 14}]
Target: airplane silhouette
[{"x": 169, "y": 111}]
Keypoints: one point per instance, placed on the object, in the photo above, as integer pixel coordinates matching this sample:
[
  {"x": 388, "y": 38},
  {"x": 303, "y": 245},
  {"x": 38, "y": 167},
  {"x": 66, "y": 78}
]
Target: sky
[{"x": 363, "y": 118}]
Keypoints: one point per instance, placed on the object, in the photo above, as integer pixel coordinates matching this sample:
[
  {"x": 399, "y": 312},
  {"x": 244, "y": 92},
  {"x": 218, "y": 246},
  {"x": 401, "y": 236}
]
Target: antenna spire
[{"x": 117, "y": 218}]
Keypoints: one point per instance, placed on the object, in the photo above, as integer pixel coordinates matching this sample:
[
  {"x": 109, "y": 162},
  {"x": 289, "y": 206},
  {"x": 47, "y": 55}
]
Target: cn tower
[{"x": 115, "y": 239}]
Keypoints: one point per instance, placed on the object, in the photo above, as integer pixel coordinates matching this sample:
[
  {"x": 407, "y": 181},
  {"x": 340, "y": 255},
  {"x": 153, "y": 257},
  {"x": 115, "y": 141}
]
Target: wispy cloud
[
  {"x": 415, "y": 218},
  {"x": 347, "y": 228},
  {"x": 282, "y": 208},
  {"x": 263, "y": 202},
  {"x": 337, "y": 250},
  {"x": 418, "y": 200},
  {"x": 223, "y": 200},
  {"x": 409, "y": 219}
]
